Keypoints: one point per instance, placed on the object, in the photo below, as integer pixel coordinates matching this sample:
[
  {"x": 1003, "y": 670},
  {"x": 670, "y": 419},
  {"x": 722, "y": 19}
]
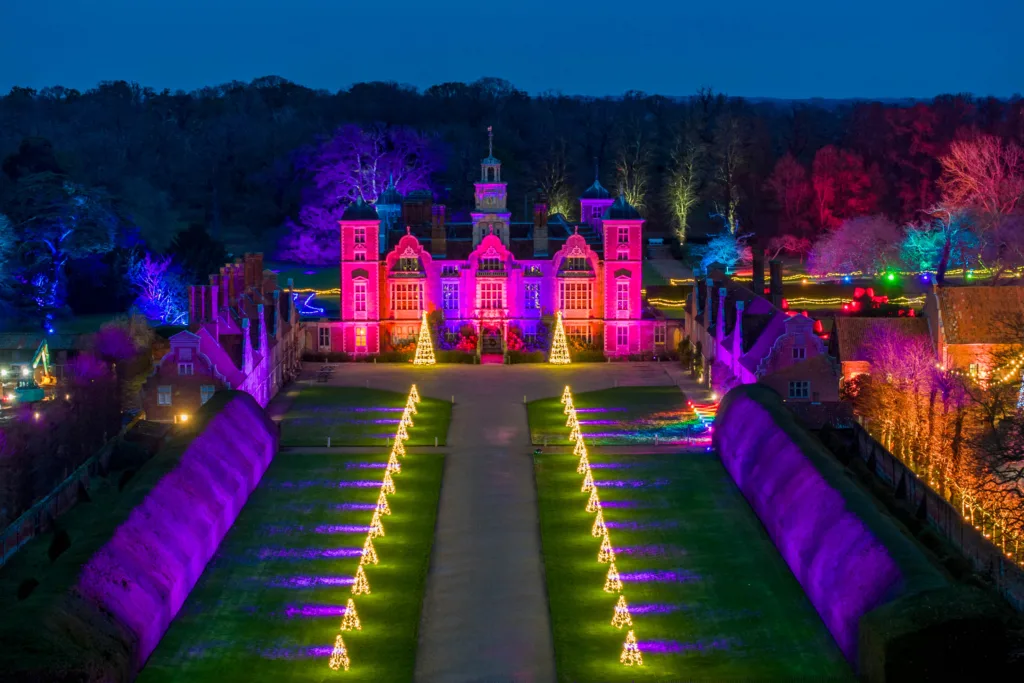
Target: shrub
[
  {"x": 396, "y": 356},
  {"x": 26, "y": 587},
  {"x": 516, "y": 357},
  {"x": 61, "y": 541},
  {"x": 587, "y": 356},
  {"x": 123, "y": 480},
  {"x": 455, "y": 357},
  {"x": 325, "y": 357}
]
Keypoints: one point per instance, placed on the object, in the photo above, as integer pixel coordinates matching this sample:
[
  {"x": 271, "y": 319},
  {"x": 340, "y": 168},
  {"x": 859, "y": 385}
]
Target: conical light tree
[
  {"x": 388, "y": 485},
  {"x": 361, "y": 586},
  {"x": 424, "y": 345},
  {"x": 572, "y": 421},
  {"x": 569, "y": 406},
  {"x": 606, "y": 554},
  {"x": 407, "y": 418},
  {"x": 566, "y": 395},
  {"x": 588, "y": 482},
  {"x": 350, "y": 621},
  {"x": 631, "y": 652},
  {"x": 382, "y": 504},
  {"x": 612, "y": 582},
  {"x": 574, "y": 433},
  {"x": 580, "y": 450},
  {"x": 410, "y": 404},
  {"x": 621, "y": 617},
  {"x": 559, "y": 348},
  {"x": 376, "y": 526},
  {"x": 398, "y": 448},
  {"x": 414, "y": 394},
  {"x": 369, "y": 555},
  {"x": 394, "y": 467},
  {"x": 584, "y": 465},
  {"x": 593, "y": 503},
  {"x": 599, "y": 529},
  {"x": 401, "y": 434},
  {"x": 339, "y": 657}
]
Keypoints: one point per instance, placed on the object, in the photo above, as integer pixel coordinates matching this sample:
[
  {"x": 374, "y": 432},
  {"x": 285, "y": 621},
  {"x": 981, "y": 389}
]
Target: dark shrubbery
[
  {"x": 123, "y": 480},
  {"x": 587, "y": 356},
  {"x": 516, "y": 357},
  {"x": 128, "y": 455},
  {"x": 61, "y": 542},
  {"x": 26, "y": 587},
  {"x": 455, "y": 357}
]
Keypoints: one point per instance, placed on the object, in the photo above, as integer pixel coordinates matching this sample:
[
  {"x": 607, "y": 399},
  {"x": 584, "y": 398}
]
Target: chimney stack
[
  {"x": 757, "y": 283},
  {"x": 540, "y": 229},
  {"x": 438, "y": 234},
  {"x": 775, "y": 285}
]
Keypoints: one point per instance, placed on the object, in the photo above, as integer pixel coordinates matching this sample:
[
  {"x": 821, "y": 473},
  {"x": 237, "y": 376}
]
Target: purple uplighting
[
  {"x": 653, "y": 608},
  {"x": 294, "y": 653},
  {"x": 309, "y": 581},
  {"x": 342, "y": 528},
  {"x": 674, "y": 646},
  {"x": 309, "y": 553},
  {"x": 637, "y": 526},
  {"x": 374, "y": 410},
  {"x": 642, "y": 550},
  {"x": 599, "y": 422},
  {"x": 619, "y": 504},
  {"x": 356, "y": 483},
  {"x": 660, "y": 576},
  {"x": 631, "y": 483},
  {"x": 314, "y": 611},
  {"x": 599, "y": 410},
  {"x": 609, "y": 466},
  {"x": 354, "y": 506},
  {"x": 368, "y": 465}
]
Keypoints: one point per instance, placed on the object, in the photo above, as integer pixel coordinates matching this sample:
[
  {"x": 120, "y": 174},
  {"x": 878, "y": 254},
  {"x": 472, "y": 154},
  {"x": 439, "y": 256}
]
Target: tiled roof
[
  {"x": 852, "y": 334},
  {"x": 981, "y": 315}
]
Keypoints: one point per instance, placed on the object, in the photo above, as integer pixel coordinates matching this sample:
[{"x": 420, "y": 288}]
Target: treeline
[{"x": 225, "y": 157}]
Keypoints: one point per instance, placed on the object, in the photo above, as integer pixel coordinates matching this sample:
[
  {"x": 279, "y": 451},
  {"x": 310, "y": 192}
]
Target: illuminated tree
[
  {"x": 985, "y": 174},
  {"x": 683, "y": 185},
  {"x": 727, "y": 249},
  {"x": 612, "y": 581},
  {"x": 575, "y": 433},
  {"x": 606, "y": 553},
  {"x": 398, "y": 447},
  {"x": 599, "y": 528},
  {"x": 632, "y": 167},
  {"x": 631, "y": 652},
  {"x": 350, "y": 620},
  {"x": 790, "y": 244},
  {"x": 788, "y": 182},
  {"x": 946, "y": 240},
  {"x": 401, "y": 434},
  {"x": 406, "y": 419},
  {"x": 621, "y": 617},
  {"x": 376, "y": 526},
  {"x": 579, "y": 450},
  {"x": 553, "y": 180},
  {"x": 843, "y": 188},
  {"x": 584, "y": 465},
  {"x": 361, "y": 586},
  {"x": 572, "y": 421},
  {"x": 339, "y": 657},
  {"x": 566, "y": 394},
  {"x": 388, "y": 485},
  {"x": 382, "y": 504},
  {"x": 559, "y": 349},
  {"x": 162, "y": 292},
  {"x": 424, "y": 345},
  {"x": 369, "y": 552},
  {"x": 588, "y": 482},
  {"x": 393, "y": 465},
  {"x": 414, "y": 394},
  {"x": 868, "y": 244},
  {"x": 569, "y": 407},
  {"x": 410, "y": 403},
  {"x": 593, "y": 503}
]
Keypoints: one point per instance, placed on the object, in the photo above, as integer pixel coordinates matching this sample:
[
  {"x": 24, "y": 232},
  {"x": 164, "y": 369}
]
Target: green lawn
[
  {"x": 621, "y": 416},
  {"x": 725, "y": 606},
  {"x": 356, "y": 416},
  {"x": 268, "y": 606}
]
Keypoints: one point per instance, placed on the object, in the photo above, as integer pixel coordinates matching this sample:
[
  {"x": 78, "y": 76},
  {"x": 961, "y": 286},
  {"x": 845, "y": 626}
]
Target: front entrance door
[{"x": 490, "y": 344}]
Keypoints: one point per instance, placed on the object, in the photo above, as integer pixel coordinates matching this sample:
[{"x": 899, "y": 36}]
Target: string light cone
[
  {"x": 376, "y": 526},
  {"x": 350, "y": 621},
  {"x": 339, "y": 657},
  {"x": 401, "y": 434},
  {"x": 424, "y": 345},
  {"x": 599, "y": 528},
  {"x": 612, "y": 582},
  {"x": 584, "y": 465},
  {"x": 382, "y": 504},
  {"x": 414, "y": 395},
  {"x": 559, "y": 348},
  {"x": 631, "y": 652},
  {"x": 369, "y": 555},
  {"x": 407, "y": 419},
  {"x": 569, "y": 407},
  {"x": 394, "y": 467},
  {"x": 574, "y": 434},
  {"x": 361, "y": 586},
  {"x": 588, "y": 482},
  {"x": 388, "y": 485},
  {"x": 580, "y": 449},
  {"x": 398, "y": 448},
  {"x": 410, "y": 405},
  {"x": 621, "y": 617},
  {"x": 593, "y": 503},
  {"x": 572, "y": 421},
  {"x": 606, "y": 554},
  {"x": 566, "y": 395}
]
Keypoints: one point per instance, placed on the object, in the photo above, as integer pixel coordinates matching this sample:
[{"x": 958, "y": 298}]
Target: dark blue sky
[{"x": 786, "y": 48}]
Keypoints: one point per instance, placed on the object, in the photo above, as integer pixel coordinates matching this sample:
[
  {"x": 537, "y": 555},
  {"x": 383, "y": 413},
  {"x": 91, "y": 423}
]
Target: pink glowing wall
[
  {"x": 143, "y": 574},
  {"x": 849, "y": 557}
]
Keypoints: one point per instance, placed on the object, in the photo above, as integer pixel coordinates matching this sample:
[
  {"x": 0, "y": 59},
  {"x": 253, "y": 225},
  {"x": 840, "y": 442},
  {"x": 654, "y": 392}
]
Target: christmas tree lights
[
  {"x": 414, "y": 395},
  {"x": 567, "y": 394},
  {"x": 584, "y": 465},
  {"x": 631, "y": 652},
  {"x": 621, "y": 617},
  {"x": 388, "y": 485},
  {"x": 350, "y": 621},
  {"x": 599, "y": 528},
  {"x": 410, "y": 405},
  {"x": 606, "y": 554},
  {"x": 575, "y": 434},
  {"x": 593, "y": 503},
  {"x": 361, "y": 586},
  {"x": 398, "y": 448},
  {"x": 407, "y": 418},
  {"x": 424, "y": 345},
  {"x": 401, "y": 434},
  {"x": 572, "y": 421},
  {"x": 612, "y": 582},
  {"x": 376, "y": 526},
  {"x": 394, "y": 467},
  {"x": 580, "y": 449},
  {"x": 559, "y": 349},
  {"x": 339, "y": 657},
  {"x": 569, "y": 406},
  {"x": 588, "y": 482},
  {"x": 382, "y": 504},
  {"x": 369, "y": 555}
]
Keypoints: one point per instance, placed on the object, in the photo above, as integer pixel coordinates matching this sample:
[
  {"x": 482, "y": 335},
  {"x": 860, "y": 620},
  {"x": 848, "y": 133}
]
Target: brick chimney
[
  {"x": 775, "y": 284},
  {"x": 438, "y": 236},
  {"x": 757, "y": 284},
  {"x": 540, "y": 229}
]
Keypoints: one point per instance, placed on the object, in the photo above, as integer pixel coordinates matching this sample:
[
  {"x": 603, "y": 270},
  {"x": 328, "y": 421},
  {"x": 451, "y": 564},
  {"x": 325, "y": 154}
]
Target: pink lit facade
[{"x": 494, "y": 275}]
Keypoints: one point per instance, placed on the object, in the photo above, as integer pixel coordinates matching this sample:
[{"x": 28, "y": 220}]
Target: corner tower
[
  {"x": 623, "y": 278},
  {"x": 360, "y": 280},
  {"x": 594, "y": 202},
  {"x": 491, "y": 215}
]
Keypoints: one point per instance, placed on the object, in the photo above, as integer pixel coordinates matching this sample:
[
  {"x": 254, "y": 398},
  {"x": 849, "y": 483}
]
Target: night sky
[{"x": 787, "y": 49}]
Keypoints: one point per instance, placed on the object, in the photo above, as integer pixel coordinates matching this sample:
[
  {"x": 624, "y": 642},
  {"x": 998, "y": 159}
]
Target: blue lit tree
[
  {"x": 728, "y": 249},
  {"x": 947, "y": 240},
  {"x": 162, "y": 291}
]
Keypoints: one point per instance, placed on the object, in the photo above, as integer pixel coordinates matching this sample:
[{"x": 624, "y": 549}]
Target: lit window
[
  {"x": 360, "y": 339},
  {"x": 206, "y": 393},
  {"x": 533, "y": 296},
  {"x": 623, "y": 235},
  {"x": 407, "y": 296},
  {"x": 800, "y": 389},
  {"x": 186, "y": 369},
  {"x": 972, "y": 369},
  {"x": 359, "y": 236},
  {"x": 409, "y": 265},
  {"x": 490, "y": 264},
  {"x": 325, "y": 337},
  {"x": 163, "y": 395},
  {"x": 184, "y": 354},
  {"x": 659, "y": 334},
  {"x": 799, "y": 353},
  {"x": 597, "y": 213},
  {"x": 622, "y": 255},
  {"x": 576, "y": 263},
  {"x": 580, "y": 333},
  {"x": 359, "y": 298},
  {"x": 360, "y": 255},
  {"x": 622, "y": 296},
  {"x": 450, "y": 296},
  {"x": 492, "y": 295},
  {"x": 574, "y": 296},
  {"x": 622, "y": 336},
  {"x": 530, "y": 333}
]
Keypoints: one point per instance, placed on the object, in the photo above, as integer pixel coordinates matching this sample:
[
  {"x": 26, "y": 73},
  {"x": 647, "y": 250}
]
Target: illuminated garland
[
  {"x": 424, "y": 345},
  {"x": 631, "y": 652},
  {"x": 621, "y": 617},
  {"x": 350, "y": 621},
  {"x": 339, "y": 657},
  {"x": 612, "y": 582}
]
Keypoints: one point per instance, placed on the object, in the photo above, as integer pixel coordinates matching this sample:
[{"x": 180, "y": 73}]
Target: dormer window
[
  {"x": 576, "y": 263},
  {"x": 490, "y": 263},
  {"x": 409, "y": 264}
]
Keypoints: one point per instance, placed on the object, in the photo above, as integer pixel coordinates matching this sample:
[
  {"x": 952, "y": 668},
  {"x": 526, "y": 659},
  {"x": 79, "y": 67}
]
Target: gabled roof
[
  {"x": 852, "y": 334},
  {"x": 981, "y": 315}
]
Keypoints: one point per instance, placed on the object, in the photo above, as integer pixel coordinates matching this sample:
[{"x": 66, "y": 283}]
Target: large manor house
[{"x": 401, "y": 258}]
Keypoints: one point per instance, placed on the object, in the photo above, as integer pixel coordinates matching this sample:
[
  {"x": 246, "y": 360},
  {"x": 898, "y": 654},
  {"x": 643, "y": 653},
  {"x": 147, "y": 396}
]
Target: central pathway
[{"x": 485, "y": 614}]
